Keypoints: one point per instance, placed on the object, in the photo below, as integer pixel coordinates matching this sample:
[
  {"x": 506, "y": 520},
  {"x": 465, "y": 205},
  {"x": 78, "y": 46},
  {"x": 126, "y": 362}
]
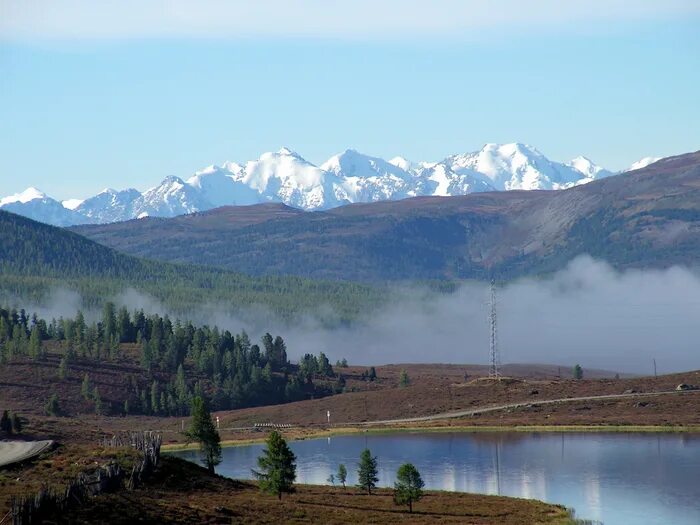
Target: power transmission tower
[{"x": 494, "y": 370}]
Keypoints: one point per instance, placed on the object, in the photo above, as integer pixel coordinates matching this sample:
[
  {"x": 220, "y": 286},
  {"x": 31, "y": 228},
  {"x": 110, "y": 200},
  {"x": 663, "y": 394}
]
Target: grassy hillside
[
  {"x": 646, "y": 218},
  {"x": 36, "y": 258}
]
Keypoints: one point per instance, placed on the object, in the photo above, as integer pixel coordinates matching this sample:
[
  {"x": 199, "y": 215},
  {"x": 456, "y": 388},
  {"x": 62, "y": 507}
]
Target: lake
[{"x": 616, "y": 478}]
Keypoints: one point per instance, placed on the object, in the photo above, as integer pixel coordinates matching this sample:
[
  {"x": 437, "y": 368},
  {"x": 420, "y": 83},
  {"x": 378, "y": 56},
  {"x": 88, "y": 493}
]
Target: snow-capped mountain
[
  {"x": 642, "y": 163},
  {"x": 37, "y": 205},
  {"x": 285, "y": 176}
]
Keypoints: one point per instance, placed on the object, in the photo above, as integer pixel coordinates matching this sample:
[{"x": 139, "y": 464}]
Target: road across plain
[
  {"x": 16, "y": 451},
  {"x": 522, "y": 404}
]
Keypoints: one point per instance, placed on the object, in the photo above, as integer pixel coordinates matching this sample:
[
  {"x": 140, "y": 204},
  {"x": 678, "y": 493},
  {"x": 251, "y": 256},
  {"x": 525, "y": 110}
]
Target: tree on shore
[
  {"x": 202, "y": 430},
  {"x": 367, "y": 471},
  {"x": 403, "y": 379},
  {"x": 277, "y": 467},
  {"x": 408, "y": 487},
  {"x": 342, "y": 474},
  {"x": 577, "y": 372}
]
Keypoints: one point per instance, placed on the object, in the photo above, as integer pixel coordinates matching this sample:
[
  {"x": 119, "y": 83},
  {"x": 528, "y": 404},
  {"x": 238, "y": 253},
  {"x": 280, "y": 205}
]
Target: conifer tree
[
  {"x": 202, "y": 429},
  {"x": 86, "y": 389},
  {"x": 5, "y": 423},
  {"x": 342, "y": 474},
  {"x": 16, "y": 423},
  {"x": 408, "y": 487},
  {"x": 277, "y": 466},
  {"x": 367, "y": 471}
]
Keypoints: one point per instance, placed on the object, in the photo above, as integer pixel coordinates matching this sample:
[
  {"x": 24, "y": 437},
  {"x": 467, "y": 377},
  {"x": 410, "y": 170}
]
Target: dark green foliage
[
  {"x": 342, "y": 474},
  {"x": 202, "y": 430},
  {"x": 52, "y": 407},
  {"x": 408, "y": 487},
  {"x": 6, "y": 423},
  {"x": 367, "y": 471},
  {"x": 577, "y": 372},
  {"x": 372, "y": 374},
  {"x": 176, "y": 355},
  {"x": 404, "y": 381},
  {"x": 99, "y": 408},
  {"x": 276, "y": 467},
  {"x": 31, "y": 266}
]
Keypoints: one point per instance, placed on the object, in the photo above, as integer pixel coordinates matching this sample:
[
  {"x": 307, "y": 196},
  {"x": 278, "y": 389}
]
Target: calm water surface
[{"x": 619, "y": 479}]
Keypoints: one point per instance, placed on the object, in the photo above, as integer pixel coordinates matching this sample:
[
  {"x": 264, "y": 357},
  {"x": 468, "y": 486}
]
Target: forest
[
  {"x": 178, "y": 361},
  {"x": 36, "y": 259}
]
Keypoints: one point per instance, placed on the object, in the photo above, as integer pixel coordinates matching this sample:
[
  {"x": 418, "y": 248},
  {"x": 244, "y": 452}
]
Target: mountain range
[
  {"x": 649, "y": 217},
  {"x": 286, "y": 177}
]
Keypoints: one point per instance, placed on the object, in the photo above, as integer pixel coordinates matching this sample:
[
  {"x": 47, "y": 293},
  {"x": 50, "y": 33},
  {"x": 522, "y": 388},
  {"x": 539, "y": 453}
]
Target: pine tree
[
  {"x": 6, "y": 423},
  {"x": 155, "y": 407},
  {"x": 342, "y": 474},
  {"x": 408, "y": 487},
  {"x": 86, "y": 389},
  {"x": 63, "y": 368},
  {"x": 403, "y": 379},
  {"x": 98, "y": 402},
  {"x": 202, "y": 429},
  {"x": 277, "y": 466},
  {"x": 52, "y": 407},
  {"x": 35, "y": 348},
  {"x": 577, "y": 372},
  {"x": 372, "y": 374},
  {"x": 367, "y": 471}
]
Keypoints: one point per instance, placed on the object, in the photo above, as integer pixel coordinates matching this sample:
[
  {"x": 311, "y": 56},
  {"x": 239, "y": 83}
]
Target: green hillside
[{"x": 36, "y": 258}]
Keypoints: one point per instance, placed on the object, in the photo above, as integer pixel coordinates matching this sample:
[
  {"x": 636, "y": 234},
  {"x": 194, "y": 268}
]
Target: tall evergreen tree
[
  {"x": 202, "y": 429},
  {"x": 367, "y": 471},
  {"x": 408, "y": 487},
  {"x": 6, "y": 423},
  {"x": 342, "y": 474},
  {"x": 277, "y": 467}
]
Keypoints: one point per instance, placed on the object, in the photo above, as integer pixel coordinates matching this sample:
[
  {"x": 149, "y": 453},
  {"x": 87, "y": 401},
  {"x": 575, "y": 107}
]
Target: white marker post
[
  {"x": 217, "y": 422},
  {"x": 328, "y": 416}
]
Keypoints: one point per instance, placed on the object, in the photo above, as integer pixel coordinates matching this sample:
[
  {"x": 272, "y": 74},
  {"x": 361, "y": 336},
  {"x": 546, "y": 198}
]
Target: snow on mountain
[
  {"x": 220, "y": 186},
  {"x": 515, "y": 167},
  {"x": 109, "y": 205},
  {"x": 350, "y": 176},
  {"x": 285, "y": 176},
  {"x": 642, "y": 163},
  {"x": 171, "y": 197},
  {"x": 36, "y": 205},
  {"x": 368, "y": 179},
  {"x": 72, "y": 204}
]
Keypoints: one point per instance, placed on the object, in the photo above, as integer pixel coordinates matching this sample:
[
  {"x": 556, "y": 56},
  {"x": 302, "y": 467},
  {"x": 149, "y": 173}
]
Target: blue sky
[{"x": 105, "y": 100}]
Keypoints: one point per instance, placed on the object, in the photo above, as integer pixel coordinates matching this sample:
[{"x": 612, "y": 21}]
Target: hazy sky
[{"x": 120, "y": 94}]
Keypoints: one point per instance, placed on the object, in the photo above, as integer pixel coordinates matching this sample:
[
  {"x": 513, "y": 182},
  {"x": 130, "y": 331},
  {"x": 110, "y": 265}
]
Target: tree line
[{"x": 183, "y": 360}]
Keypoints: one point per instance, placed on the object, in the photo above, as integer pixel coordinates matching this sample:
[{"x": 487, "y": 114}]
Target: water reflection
[{"x": 616, "y": 478}]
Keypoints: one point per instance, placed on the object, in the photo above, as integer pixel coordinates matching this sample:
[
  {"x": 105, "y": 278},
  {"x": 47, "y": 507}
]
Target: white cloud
[{"x": 118, "y": 19}]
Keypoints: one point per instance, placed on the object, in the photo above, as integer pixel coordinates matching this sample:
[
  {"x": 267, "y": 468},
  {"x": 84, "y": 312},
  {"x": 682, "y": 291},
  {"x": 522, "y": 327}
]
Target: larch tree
[
  {"x": 408, "y": 487},
  {"x": 202, "y": 430},
  {"x": 277, "y": 468},
  {"x": 367, "y": 471}
]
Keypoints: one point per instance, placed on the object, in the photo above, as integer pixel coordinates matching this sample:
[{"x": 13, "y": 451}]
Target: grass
[{"x": 182, "y": 492}]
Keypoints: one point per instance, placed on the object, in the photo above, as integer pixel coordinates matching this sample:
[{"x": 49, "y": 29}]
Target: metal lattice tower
[{"x": 494, "y": 370}]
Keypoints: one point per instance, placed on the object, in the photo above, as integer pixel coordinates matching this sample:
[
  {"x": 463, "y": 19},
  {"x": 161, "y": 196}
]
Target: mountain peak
[{"x": 23, "y": 197}]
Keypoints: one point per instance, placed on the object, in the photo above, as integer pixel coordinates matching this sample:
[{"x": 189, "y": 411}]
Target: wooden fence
[{"x": 48, "y": 503}]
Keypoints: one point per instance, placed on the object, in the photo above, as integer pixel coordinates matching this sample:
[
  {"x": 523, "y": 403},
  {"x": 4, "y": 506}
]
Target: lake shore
[{"x": 304, "y": 434}]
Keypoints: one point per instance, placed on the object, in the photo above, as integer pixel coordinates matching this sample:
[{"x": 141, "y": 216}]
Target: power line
[{"x": 494, "y": 370}]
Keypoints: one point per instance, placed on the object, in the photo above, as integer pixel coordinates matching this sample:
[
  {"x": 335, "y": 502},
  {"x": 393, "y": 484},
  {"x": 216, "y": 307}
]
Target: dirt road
[
  {"x": 522, "y": 404},
  {"x": 15, "y": 451}
]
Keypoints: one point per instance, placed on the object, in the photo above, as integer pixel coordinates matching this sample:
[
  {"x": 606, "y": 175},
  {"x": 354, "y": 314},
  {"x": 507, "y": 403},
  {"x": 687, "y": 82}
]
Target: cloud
[{"x": 356, "y": 19}]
